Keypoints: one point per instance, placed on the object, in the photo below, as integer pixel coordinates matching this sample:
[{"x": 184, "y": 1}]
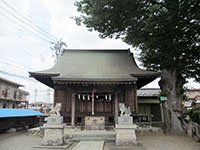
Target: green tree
[{"x": 166, "y": 31}]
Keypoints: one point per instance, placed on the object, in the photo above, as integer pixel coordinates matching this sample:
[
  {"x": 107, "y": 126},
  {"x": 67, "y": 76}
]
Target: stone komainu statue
[
  {"x": 124, "y": 111},
  {"x": 55, "y": 111}
]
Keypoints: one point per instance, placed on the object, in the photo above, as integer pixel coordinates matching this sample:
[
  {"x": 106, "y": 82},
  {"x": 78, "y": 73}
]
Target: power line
[
  {"x": 23, "y": 22},
  {"x": 19, "y": 37},
  {"x": 12, "y": 65},
  {"x": 13, "y": 35},
  {"x": 14, "y": 46},
  {"x": 20, "y": 24},
  {"x": 41, "y": 31},
  {"x": 50, "y": 35},
  {"x": 12, "y": 39},
  {"x": 17, "y": 76},
  {"x": 14, "y": 62},
  {"x": 29, "y": 31},
  {"x": 22, "y": 48}
]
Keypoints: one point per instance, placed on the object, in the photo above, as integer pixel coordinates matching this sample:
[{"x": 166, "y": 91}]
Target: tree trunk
[{"x": 173, "y": 108}]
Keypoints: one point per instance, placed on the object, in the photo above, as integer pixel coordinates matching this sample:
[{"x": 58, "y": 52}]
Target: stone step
[
  {"x": 89, "y": 145},
  {"x": 90, "y": 135},
  {"x": 95, "y": 136},
  {"x": 92, "y": 138}
]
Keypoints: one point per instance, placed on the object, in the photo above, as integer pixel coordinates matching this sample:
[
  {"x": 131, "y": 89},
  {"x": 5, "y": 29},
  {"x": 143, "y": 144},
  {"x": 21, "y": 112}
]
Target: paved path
[{"x": 89, "y": 145}]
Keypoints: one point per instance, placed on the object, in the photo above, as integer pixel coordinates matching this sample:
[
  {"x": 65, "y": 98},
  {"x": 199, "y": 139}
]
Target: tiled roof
[
  {"x": 95, "y": 65},
  {"x": 148, "y": 92}
]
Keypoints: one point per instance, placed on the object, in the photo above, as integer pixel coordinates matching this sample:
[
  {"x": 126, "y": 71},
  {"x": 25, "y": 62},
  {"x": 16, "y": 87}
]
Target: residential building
[
  {"x": 193, "y": 96},
  {"x": 11, "y": 96},
  {"x": 192, "y": 93}
]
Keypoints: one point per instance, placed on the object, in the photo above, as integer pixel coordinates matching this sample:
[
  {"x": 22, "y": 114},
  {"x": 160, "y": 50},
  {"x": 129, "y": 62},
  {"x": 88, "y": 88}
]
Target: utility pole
[
  {"x": 35, "y": 95},
  {"x": 48, "y": 98}
]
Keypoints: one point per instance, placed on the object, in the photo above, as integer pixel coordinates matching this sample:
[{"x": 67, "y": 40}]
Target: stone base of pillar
[
  {"x": 125, "y": 134},
  {"x": 53, "y": 131},
  {"x": 53, "y": 135}
]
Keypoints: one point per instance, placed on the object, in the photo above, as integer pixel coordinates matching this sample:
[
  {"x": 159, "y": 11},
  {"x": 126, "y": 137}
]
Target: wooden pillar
[
  {"x": 136, "y": 101},
  {"x": 116, "y": 108},
  {"x": 26, "y": 104},
  {"x": 162, "y": 114},
  {"x": 92, "y": 101},
  {"x": 54, "y": 98},
  {"x": 73, "y": 110}
]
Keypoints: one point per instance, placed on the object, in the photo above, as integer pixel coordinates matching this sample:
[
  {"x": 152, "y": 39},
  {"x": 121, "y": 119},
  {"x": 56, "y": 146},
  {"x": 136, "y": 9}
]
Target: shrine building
[{"x": 94, "y": 82}]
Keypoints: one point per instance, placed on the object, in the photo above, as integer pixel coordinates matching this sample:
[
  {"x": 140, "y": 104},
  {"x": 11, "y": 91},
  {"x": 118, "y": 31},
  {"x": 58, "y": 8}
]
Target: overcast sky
[{"x": 25, "y": 44}]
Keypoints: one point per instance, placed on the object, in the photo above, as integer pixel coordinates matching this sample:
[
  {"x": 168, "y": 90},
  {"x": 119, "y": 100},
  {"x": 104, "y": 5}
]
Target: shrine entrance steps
[
  {"x": 89, "y": 145},
  {"x": 101, "y": 135},
  {"x": 91, "y": 135}
]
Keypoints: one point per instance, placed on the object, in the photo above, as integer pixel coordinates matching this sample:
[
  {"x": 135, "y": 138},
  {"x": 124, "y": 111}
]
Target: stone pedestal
[
  {"x": 55, "y": 120},
  {"x": 95, "y": 123},
  {"x": 125, "y": 120},
  {"x": 125, "y": 134},
  {"x": 53, "y": 131}
]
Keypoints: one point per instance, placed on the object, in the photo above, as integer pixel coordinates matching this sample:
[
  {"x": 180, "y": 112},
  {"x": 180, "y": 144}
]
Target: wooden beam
[
  {"x": 73, "y": 110},
  {"x": 116, "y": 108}
]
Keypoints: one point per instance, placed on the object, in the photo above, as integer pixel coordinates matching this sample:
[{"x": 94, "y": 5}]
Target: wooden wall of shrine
[{"x": 124, "y": 94}]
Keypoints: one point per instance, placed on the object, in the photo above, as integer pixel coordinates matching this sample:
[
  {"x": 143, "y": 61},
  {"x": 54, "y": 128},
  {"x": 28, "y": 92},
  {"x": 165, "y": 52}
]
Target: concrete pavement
[{"x": 89, "y": 145}]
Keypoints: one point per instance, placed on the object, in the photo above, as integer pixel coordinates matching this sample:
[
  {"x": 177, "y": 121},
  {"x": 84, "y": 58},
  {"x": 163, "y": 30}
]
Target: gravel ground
[
  {"x": 159, "y": 141},
  {"x": 22, "y": 141},
  {"x": 168, "y": 142},
  {"x": 18, "y": 141}
]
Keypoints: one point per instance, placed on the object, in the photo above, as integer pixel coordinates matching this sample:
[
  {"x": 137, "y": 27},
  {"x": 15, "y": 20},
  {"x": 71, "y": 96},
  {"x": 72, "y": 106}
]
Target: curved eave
[
  {"x": 144, "y": 79},
  {"x": 34, "y": 74},
  {"x": 95, "y": 81},
  {"x": 150, "y": 74},
  {"x": 45, "y": 78}
]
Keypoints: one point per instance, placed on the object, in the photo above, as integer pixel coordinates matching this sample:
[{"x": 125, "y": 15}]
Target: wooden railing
[{"x": 142, "y": 119}]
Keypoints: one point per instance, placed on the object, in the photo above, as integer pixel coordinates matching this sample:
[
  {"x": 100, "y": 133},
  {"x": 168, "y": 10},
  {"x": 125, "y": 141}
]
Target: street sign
[{"x": 163, "y": 98}]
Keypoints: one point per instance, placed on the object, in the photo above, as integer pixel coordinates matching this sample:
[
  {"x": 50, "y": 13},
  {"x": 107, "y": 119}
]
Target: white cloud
[{"x": 75, "y": 36}]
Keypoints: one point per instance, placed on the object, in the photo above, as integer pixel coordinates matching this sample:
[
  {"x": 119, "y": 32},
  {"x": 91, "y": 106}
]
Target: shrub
[
  {"x": 195, "y": 117},
  {"x": 194, "y": 114}
]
